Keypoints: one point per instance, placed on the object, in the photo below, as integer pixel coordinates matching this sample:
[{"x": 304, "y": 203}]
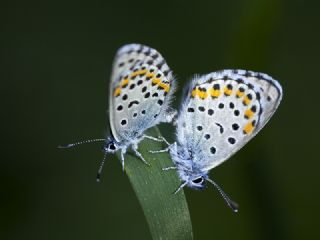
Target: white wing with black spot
[
  {"x": 222, "y": 112},
  {"x": 140, "y": 91}
]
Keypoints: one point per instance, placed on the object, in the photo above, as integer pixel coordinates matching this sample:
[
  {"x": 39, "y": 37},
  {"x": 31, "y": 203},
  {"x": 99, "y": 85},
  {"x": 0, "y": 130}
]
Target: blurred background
[{"x": 55, "y": 68}]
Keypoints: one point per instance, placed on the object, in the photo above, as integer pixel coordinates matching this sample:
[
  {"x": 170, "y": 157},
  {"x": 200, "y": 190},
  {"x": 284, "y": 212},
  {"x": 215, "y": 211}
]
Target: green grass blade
[{"x": 167, "y": 214}]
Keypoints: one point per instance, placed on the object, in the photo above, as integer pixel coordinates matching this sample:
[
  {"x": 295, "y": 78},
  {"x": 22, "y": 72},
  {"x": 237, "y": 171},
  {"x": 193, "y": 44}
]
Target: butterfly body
[{"x": 221, "y": 112}]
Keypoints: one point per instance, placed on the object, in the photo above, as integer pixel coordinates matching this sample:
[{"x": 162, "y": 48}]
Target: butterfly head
[
  {"x": 111, "y": 145},
  {"x": 198, "y": 182}
]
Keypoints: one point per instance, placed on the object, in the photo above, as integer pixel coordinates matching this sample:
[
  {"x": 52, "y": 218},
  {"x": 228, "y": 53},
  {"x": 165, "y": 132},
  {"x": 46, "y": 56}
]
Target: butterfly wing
[
  {"x": 140, "y": 91},
  {"x": 223, "y": 111}
]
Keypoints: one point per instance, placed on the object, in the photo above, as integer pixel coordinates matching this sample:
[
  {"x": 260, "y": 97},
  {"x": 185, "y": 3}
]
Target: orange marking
[
  {"x": 201, "y": 94},
  {"x": 215, "y": 93},
  {"x": 124, "y": 82},
  {"x": 246, "y": 100},
  {"x": 156, "y": 80},
  {"x": 194, "y": 93},
  {"x": 227, "y": 91},
  {"x": 239, "y": 94},
  {"x": 117, "y": 92},
  {"x": 164, "y": 86},
  {"x": 248, "y": 128},
  {"x": 248, "y": 113},
  {"x": 139, "y": 72},
  {"x": 150, "y": 75}
]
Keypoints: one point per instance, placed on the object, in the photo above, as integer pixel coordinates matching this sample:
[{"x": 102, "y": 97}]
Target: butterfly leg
[
  {"x": 169, "y": 168},
  {"x": 123, "y": 151},
  {"x": 158, "y": 139},
  {"x": 138, "y": 154},
  {"x": 160, "y": 151}
]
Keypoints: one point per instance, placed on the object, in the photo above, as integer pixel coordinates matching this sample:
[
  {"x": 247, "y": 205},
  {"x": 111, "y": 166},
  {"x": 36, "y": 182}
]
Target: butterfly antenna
[
  {"x": 233, "y": 205},
  {"x": 101, "y": 167},
  {"x": 180, "y": 187},
  {"x": 82, "y": 142}
]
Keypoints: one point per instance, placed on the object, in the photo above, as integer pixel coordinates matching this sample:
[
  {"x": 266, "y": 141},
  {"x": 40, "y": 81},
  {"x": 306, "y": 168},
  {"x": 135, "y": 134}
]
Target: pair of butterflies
[{"x": 220, "y": 113}]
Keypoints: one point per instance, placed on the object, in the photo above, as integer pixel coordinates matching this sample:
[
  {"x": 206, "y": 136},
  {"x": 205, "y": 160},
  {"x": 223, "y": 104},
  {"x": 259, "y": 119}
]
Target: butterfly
[
  {"x": 220, "y": 113},
  {"x": 140, "y": 93}
]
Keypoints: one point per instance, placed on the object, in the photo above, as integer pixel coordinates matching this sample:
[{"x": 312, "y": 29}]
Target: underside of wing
[
  {"x": 140, "y": 91},
  {"x": 223, "y": 111}
]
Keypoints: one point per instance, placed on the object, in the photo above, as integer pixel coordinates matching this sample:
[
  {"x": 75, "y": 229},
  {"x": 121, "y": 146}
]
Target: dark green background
[{"x": 55, "y": 68}]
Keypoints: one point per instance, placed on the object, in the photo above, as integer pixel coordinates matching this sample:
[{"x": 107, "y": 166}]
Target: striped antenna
[
  {"x": 233, "y": 205},
  {"x": 101, "y": 167},
  {"x": 82, "y": 142}
]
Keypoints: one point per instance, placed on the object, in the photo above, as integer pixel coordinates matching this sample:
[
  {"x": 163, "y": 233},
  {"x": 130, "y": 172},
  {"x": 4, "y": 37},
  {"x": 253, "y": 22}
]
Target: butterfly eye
[
  {"x": 198, "y": 180},
  {"x": 112, "y": 146}
]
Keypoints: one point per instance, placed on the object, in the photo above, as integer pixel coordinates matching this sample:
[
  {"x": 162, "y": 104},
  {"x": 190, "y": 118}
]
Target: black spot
[
  {"x": 249, "y": 96},
  {"x": 201, "y": 109},
  {"x": 213, "y": 150},
  {"x": 160, "y": 102},
  {"x": 216, "y": 86},
  {"x": 150, "y": 62},
  {"x": 124, "y": 97},
  {"x": 143, "y": 112},
  {"x": 231, "y": 140},
  {"x": 159, "y": 65},
  {"x": 135, "y": 114},
  {"x": 147, "y": 53},
  {"x": 210, "y": 112},
  {"x": 147, "y": 95},
  {"x": 120, "y": 107},
  {"x": 144, "y": 89},
  {"x": 121, "y": 64},
  {"x": 225, "y": 77},
  {"x": 155, "y": 95},
  {"x": 250, "y": 86},
  {"x": 143, "y": 68},
  {"x": 155, "y": 56},
  {"x": 158, "y": 75},
  {"x": 248, "y": 74},
  {"x": 269, "y": 98},
  {"x": 151, "y": 70},
  {"x": 155, "y": 116},
  {"x": 231, "y": 105},
  {"x": 258, "y": 96},
  {"x": 239, "y": 80},
  {"x": 140, "y": 82},
  {"x": 140, "y": 49},
  {"x": 221, "y": 105},
  {"x": 241, "y": 89},
  {"x": 229, "y": 86},
  {"x": 236, "y": 112},
  {"x": 207, "y": 136},
  {"x": 131, "y": 60},
  {"x": 235, "y": 71},
  {"x": 235, "y": 126},
  {"x": 199, "y": 128},
  {"x": 254, "y": 108},
  {"x": 132, "y": 86},
  {"x": 166, "y": 73},
  {"x": 220, "y": 126},
  {"x": 123, "y": 122},
  {"x": 132, "y": 103},
  {"x": 253, "y": 123},
  {"x": 190, "y": 109}
]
